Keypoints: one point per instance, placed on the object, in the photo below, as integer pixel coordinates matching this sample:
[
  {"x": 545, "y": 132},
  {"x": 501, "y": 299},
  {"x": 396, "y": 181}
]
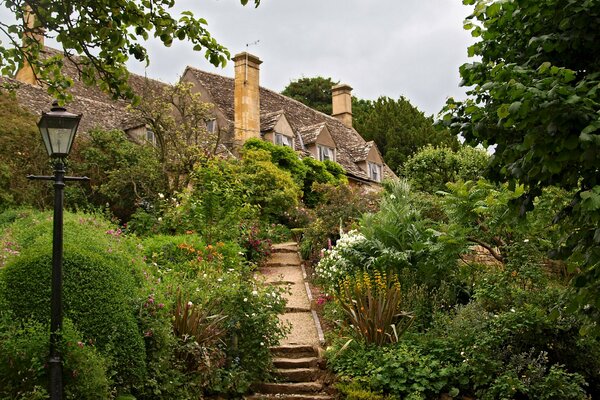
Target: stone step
[
  {"x": 279, "y": 396},
  {"x": 294, "y": 351},
  {"x": 289, "y": 388},
  {"x": 284, "y": 250},
  {"x": 295, "y": 363},
  {"x": 289, "y": 247},
  {"x": 297, "y": 374},
  {"x": 281, "y": 273},
  {"x": 279, "y": 259}
]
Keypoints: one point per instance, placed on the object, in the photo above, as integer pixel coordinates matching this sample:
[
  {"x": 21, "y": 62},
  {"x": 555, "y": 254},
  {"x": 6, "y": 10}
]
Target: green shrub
[
  {"x": 397, "y": 370},
  {"x": 268, "y": 187},
  {"x": 340, "y": 208},
  {"x": 101, "y": 276},
  {"x": 188, "y": 254},
  {"x": 372, "y": 305},
  {"x": 431, "y": 167},
  {"x": 24, "y": 353},
  {"x": 22, "y": 152},
  {"x": 123, "y": 174},
  {"x": 282, "y": 156},
  {"x": 215, "y": 204}
]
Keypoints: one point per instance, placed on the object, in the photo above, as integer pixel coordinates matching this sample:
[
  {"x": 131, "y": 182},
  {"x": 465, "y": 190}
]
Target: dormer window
[
  {"x": 283, "y": 140},
  {"x": 326, "y": 153},
  {"x": 375, "y": 172}
]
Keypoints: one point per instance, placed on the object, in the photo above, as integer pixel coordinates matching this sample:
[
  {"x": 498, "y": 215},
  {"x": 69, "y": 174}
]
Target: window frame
[
  {"x": 330, "y": 151},
  {"x": 278, "y": 140},
  {"x": 379, "y": 174}
]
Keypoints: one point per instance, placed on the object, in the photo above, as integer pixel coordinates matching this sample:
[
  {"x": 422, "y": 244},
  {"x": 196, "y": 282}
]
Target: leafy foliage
[
  {"x": 99, "y": 287},
  {"x": 431, "y": 167},
  {"x": 314, "y": 92},
  {"x": 534, "y": 95},
  {"x": 123, "y": 174},
  {"x": 21, "y": 153},
  {"x": 23, "y": 355},
  {"x": 399, "y": 130},
  {"x": 399, "y": 370},
  {"x": 177, "y": 116},
  {"x": 106, "y": 35},
  {"x": 372, "y": 305},
  {"x": 268, "y": 187}
]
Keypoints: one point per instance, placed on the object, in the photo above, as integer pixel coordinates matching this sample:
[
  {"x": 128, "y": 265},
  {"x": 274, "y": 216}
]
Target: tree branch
[{"x": 489, "y": 248}]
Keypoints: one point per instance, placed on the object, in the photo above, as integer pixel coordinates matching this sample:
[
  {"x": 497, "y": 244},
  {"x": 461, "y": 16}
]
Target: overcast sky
[{"x": 410, "y": 48}]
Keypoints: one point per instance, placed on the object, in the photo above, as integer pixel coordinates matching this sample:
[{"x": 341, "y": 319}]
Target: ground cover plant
[
  {"x": 166, "y": 317},
  {"x": 483, "y": 328}
]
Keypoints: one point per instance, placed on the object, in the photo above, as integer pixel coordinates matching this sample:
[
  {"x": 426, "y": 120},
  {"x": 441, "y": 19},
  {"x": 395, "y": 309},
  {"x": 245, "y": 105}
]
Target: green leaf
[
  {"x": 514, "y": 107},
  {"x": 503, "y": 111}
]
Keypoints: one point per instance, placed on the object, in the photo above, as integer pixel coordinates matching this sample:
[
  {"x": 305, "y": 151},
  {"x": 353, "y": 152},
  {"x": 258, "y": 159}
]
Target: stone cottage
[{"x": 242, "y": 110}]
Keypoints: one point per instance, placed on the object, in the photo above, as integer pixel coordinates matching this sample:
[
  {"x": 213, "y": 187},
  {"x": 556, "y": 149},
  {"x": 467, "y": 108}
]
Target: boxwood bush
[{"x": 100, "y": 286}]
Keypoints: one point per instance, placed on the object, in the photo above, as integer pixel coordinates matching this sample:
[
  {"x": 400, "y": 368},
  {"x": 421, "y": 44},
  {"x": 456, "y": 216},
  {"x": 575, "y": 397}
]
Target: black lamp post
[{"x": 58, "y": 128}]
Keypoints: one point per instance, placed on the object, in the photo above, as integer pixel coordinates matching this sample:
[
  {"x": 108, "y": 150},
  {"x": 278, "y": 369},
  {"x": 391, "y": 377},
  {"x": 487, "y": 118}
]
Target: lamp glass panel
[{"x": 60, "y": 140}]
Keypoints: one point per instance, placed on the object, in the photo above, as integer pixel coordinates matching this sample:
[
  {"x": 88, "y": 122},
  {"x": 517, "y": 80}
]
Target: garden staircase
[{"x": 298, "y": 374}]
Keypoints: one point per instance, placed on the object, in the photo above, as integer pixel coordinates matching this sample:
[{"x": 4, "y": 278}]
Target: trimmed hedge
[{"x": 101, "y": 281}]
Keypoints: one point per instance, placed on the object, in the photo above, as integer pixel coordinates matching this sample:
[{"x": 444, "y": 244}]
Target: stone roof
[
  {"x": 269, "y": 120},
  {"x": 101, "y": 110},
  {"x": 361, "y": 152},
  {"x": 96, "y": 114},
  {"x": 98, "y": 108},
  {"x": 310, "y": 133},
  {"x": 299, "y": 116}
]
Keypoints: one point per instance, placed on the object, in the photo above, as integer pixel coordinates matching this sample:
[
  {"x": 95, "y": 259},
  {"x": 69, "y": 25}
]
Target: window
[
  {"x": 375, "y": 172},
  {"x": 283, "y": 140},
  {"x": 326, "y": 153},
  {"x": 211, "y": 125},
  {"x": 150, "y": 137}
]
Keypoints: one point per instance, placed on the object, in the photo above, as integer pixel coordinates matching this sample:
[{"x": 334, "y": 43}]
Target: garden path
[
  {"x": 298, "y": 364},
  {"x": 284, "y": 267}
]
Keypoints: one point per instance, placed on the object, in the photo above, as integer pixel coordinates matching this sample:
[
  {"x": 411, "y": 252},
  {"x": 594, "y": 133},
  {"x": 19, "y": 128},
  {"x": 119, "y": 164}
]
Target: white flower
[
  {"x": 245, "y": 299},
  {"x": 262, "y": 344},
  {"x": 526, "y": 241},
  {"x": 159, "y": 219},
  {"x": 255, "y": 293},
  {"x": 161, "y": 196},
  {"x": 190, "y": 304},
  {"x": 512, "y": 310}
]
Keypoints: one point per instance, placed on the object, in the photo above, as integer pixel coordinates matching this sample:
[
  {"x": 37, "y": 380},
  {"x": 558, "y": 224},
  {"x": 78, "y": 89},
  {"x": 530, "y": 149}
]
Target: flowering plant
[{"x": 337, "y": 262}]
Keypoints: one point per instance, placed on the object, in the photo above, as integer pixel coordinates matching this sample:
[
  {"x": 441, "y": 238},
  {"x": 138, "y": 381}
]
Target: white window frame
[
  {"x": 375, "y": 171},
  {"x": 325, "y": 153},
  {"x": 284, "y": 140}
]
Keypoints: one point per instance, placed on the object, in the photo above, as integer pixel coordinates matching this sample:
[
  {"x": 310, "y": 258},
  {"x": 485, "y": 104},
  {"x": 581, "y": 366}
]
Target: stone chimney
[
  {"x": 341, "y": 97},
  {"x": 246, "y": 101},
  {"x": 26, "y": 74}
]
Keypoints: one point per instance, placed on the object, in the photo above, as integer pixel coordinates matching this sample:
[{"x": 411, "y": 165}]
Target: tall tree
[
  {"x": 105, "y": 32},
  {"x": 535, "y": 95},
  {"x": 398, "y": 128},
  {"x": 314, "y": 92}
]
